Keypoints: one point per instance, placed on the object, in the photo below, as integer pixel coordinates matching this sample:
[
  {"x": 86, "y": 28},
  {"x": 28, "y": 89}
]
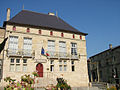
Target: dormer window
[
  {"x": 39, "y": 31},
  {"x": 80, "y": 37},
  {"x": 14, "y": 28},
  {"x": 73, "y": 36},
  {"x": 62, "y": 35},
  {"x": 28, "y": 30},
  {"x": 51, "y": 33}
]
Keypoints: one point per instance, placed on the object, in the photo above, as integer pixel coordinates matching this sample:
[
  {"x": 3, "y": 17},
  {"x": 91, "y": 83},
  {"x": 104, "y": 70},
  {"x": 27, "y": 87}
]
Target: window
[
  {"x": 12, "y": 61},
  {"x": 27, "y": 46},
  {"x": 14, "y": 28},
  {"x": 28, "y": 30},
  {"x": 62, "y": 49},
  {"x": 73, "y": 48},
  {"x": 73, "y": 68},
  {"x": 24, "y": 65},
  {"x": 60, "y": 62},
  {"x": 51, "y": 33},
  {"x": 65, "y": 67},
  {"x": 13, "y": 45},
  {"x": 80, "y": 37},
  {"x": 65, "y": 62},
  {"x": 11, "y": 67},
  {"x": 72, "y": 65},
  {"x": 73, "y": 36},
  {"x": 12, "y": 64},
  {"x": 40, "y": 32},
  {"x": 62, "y": 35},
  {"x": 72, "y": 62},
  {"x": 52, "y": 65},
  {"x": 24, "y": 60},
  {"x": 51, "y": 47},
  {"x": 17, "y": 67},
  {"x": 17, "y": 60},
  {"x": 62, "y": 65}
]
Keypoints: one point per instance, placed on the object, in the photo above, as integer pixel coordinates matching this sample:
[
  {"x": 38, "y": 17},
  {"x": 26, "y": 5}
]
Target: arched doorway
[{"x": 39, "y": 69}]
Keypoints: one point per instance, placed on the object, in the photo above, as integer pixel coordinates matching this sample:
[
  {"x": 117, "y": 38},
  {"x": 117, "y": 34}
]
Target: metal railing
[
  {"x": 64, "y": 55},
  {"x": 20, "y": 52}
]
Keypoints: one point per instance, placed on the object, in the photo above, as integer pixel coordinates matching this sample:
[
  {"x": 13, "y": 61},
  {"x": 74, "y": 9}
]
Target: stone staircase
[
  {"x": 44, "y": 81},
  {"x": 100, "y": 85}
]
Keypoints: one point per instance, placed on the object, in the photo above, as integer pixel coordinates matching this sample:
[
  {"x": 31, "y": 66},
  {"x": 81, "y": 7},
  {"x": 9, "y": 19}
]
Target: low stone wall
[{"x": 85, "y": 88}]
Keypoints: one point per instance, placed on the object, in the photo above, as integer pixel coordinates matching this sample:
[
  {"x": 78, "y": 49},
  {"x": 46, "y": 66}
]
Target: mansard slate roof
[{"x": 29, "y": 18}]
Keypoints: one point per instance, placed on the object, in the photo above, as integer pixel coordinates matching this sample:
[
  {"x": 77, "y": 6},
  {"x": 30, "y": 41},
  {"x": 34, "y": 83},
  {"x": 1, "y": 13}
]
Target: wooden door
[{"x": 39, "y": 68}]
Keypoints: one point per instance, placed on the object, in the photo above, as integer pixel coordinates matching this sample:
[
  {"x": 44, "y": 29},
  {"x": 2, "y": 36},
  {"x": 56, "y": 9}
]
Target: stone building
[
  {"x": 46, "y": 44},
  {"x": 2, "y": 32},
  {"x": 105, "y": 66}
]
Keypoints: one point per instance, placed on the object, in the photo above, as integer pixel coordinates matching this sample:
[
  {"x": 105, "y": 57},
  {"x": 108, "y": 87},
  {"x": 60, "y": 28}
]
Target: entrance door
[{"x": 39, "y": 68}]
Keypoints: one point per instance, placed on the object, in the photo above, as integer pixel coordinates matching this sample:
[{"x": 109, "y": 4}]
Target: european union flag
[{"x": 42, "y": 51}]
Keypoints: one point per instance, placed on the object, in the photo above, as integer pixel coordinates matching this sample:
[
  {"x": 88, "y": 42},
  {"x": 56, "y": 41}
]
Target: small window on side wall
[
  {"x": 62, "y": 34},
  {"x": 51, "y": 33},
  {"x": 28, "y": 30},
  {"x": 14, "y": 28},
  {"x": 39, "y": 31},
  {"x": 80, "y": 37},
  {"x": 73, "y": 36}
]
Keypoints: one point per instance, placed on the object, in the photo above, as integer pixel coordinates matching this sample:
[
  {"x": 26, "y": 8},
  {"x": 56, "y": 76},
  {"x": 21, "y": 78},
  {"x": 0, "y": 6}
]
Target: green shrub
[{"x": 62, "y": 84}]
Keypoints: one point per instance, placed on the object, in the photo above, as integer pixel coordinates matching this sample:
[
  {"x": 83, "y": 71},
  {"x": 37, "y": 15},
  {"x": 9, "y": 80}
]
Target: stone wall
[{"x": 79, "y": 77}]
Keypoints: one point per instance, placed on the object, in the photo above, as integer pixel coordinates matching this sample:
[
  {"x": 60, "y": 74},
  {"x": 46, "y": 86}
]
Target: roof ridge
[
  {"x": 39, "y": 13},
  {"x": 27, "y": 17}
]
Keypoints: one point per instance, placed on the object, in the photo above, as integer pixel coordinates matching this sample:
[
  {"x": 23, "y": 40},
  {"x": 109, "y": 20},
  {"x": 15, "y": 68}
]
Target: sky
[{"x": 99, "y": 18}]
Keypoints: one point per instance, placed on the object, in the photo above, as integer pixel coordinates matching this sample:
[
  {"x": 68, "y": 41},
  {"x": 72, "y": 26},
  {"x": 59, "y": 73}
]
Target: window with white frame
[
  {"x": 51, "y": 47},
  {"x": 15, "y": 65},
  {"x": 12, "y": 65},
  {"x": 13, "y": 44},
  {"x": 24, "y": 65},
  {"x": 27, "y": 46},
  {"x": 73, "y": 48},
  {"x": 62, "y": 49},
  {"x": 52, "y": 65},
  {"x": 62, "y": 65}
]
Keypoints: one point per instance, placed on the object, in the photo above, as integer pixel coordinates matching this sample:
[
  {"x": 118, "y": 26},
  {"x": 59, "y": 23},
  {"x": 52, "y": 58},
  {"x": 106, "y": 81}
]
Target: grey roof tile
[{"x": 43, "y": 20}]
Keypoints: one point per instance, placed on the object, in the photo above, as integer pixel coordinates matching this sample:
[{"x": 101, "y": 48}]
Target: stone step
[
  {"x": 43, "y": 82},
  {"x": 101, "y": 85}
]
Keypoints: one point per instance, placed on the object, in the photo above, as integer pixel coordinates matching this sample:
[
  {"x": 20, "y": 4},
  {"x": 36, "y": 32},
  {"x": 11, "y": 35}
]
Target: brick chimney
[
  {"x": 110, "y": 46},
  {"x": 51, "y": 14},
  {"x": 8, "y": 14}
]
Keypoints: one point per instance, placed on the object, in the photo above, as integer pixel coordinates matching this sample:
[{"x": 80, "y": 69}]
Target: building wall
[
  {"x": 79, "y": 77},
  {"x": 1, "y": 39},
  {"x": 2, "y": 31},
  {"x": 104, "y": 63}
]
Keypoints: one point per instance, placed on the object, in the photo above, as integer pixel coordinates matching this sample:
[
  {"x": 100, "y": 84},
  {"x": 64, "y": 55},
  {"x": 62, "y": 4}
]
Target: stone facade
[
  {"x": 105, "y": 66},
  {"x": 72, "y": 68},
  {"x": 2, "y": 31}
]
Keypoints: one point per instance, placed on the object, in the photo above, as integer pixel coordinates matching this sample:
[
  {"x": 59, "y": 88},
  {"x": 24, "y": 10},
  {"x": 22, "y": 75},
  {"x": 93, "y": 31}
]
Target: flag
[
  {"x": 42, "y": 51},
  {"x": 47, "y": 54},
  {"x": 3, "y": 44}
]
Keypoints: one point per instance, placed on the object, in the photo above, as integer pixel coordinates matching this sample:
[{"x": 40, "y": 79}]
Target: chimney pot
[
  {"x": 110, "y": 46},
  {"x": 8, "y": 14},
  {"x": 51, "y": 14}
]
